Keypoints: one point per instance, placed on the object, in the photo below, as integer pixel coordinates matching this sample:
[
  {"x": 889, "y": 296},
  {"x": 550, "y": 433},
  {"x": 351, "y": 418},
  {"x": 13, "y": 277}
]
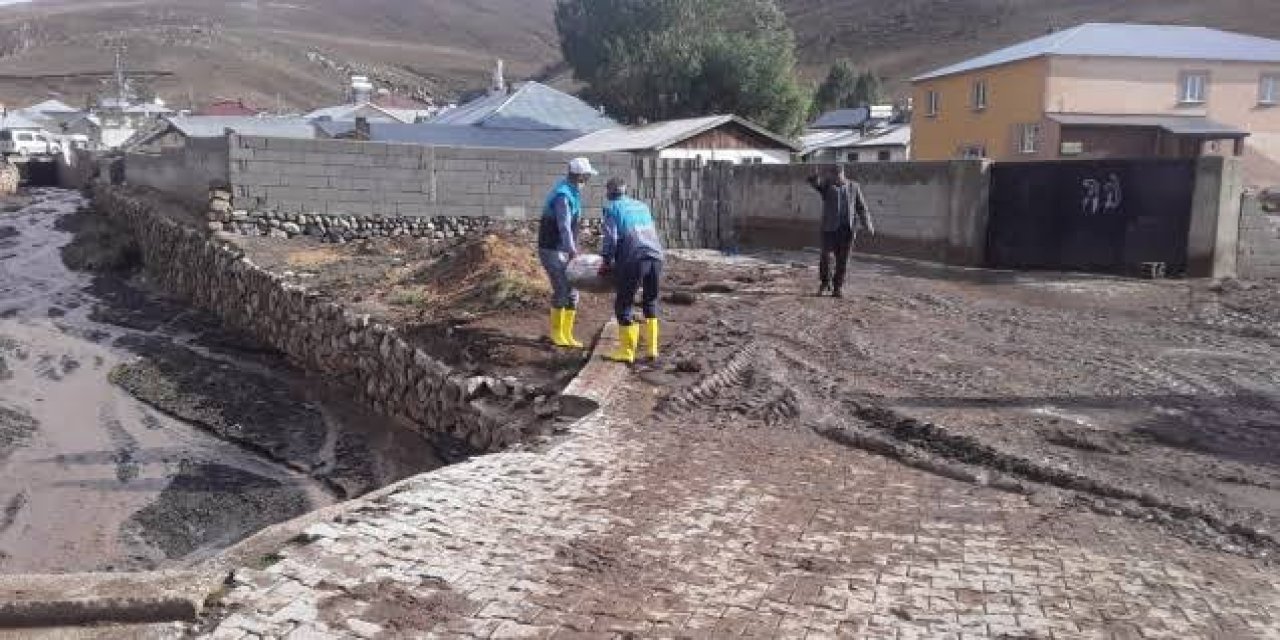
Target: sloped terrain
[{"x": 298, "y": 55}]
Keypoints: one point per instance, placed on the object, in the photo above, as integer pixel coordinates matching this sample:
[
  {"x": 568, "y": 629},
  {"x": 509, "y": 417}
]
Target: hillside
[{"x": 299, "y": 55}]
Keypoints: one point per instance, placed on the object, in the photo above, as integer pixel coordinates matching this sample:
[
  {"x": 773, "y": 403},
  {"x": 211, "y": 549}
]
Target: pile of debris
[{"x": 498, "y": 271}]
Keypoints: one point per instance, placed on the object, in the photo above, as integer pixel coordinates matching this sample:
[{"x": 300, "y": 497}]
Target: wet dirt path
[{"x": 93, "y": 478}]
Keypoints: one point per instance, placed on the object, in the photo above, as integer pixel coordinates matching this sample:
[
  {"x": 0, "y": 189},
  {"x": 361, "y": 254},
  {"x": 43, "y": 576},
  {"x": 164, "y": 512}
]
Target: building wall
[
  {"x": 928, "y": 210},
  {"x": 1015, "y": 96},
  {"x": 736, "y": 156},
  {"x": 1105, "y": 142},
  {"x": 1142, "y": 86},
  {"x": 341, "y": 176},
  {"x": 185, "y": 173}
]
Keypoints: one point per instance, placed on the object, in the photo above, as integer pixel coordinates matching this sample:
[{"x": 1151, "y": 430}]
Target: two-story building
[{"x": 1108, "y": 91}]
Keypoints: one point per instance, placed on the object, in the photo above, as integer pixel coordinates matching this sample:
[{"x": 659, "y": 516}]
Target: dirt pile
[{"x": 495, "y": 272}]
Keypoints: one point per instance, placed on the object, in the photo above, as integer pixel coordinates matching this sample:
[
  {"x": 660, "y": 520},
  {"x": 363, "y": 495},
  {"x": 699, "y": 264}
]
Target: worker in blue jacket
[
  {"x": 557, "y": 246},
  {"x": 633, "y": 253}
]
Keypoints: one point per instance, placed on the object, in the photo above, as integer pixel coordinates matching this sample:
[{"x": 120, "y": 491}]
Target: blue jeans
[
  {"x": 642, "y": 276},
  {"x": 556, "y": 264}
]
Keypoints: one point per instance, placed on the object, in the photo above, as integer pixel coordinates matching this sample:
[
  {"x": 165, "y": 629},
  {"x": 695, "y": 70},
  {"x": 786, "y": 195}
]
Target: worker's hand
[{"x": 605, "y": 269}]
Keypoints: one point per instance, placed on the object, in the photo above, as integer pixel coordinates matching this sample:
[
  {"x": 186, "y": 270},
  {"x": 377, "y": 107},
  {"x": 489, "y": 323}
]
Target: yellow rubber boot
[
  {"x": 628, "y": 342},
  {"x": 651, "y": 337},
  {"x": 557, "y": 328},
  {"x": 570, "y": 319}
]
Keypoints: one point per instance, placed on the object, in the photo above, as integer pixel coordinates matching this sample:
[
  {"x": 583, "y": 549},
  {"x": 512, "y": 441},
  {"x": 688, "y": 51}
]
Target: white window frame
[
  {"x": 1029, "y": 138},
  {"x": 979, "y": 94},
  {"x": 934, "y": 106},
  {"x": 1269, "y": 90},
  {"x": 1193, "y": 87}
]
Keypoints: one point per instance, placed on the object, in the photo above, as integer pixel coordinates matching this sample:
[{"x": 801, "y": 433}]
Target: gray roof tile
[
  {"x": 533, "y": 106},
  {"x": 1128, "y": 41}
]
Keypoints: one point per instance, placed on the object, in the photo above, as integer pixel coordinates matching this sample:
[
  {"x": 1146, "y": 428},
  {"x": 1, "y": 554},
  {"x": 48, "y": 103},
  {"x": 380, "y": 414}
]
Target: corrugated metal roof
[
  {"x": 51, "y": 106},
  {"x": 16, "y": 120},
  {"x": 660, "y": 135},
  {"x": 899, "y": 135},
  {"x": 447, "y": 135},
  {"x": 533, "y": 106},
  {"x": 842, "y": 119},
  {"x": 1128, "y": 41},
  {"x": 348, "y": 112},
  {"x": 216, "y": 126},
  {"x": 1181, "y": 125}
]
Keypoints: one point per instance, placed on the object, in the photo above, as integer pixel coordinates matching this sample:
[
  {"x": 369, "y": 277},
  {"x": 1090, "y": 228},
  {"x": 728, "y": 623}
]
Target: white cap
[{"x": 582, "y": 167}]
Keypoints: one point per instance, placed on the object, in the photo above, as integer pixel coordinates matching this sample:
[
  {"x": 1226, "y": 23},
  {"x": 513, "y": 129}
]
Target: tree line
[{"x": 649, "y": 60}]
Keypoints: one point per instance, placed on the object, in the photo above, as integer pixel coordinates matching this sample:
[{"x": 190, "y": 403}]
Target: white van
[{"x": 22, "y": 142}]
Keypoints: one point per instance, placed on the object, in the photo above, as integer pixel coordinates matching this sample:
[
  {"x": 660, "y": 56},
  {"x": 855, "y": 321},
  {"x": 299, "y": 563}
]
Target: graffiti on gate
[{"x": 1101, "y": 196}]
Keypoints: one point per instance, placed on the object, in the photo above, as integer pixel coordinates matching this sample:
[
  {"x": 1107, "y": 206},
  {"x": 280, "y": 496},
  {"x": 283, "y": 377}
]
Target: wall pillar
[{"x": 1213, "y": 239}]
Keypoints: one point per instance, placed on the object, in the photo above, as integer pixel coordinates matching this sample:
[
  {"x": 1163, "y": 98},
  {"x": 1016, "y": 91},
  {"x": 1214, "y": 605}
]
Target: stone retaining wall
[{"x": 322, "y": 336}]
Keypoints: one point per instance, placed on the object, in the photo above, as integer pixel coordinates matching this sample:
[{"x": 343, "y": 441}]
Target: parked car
[{"x": 26, "y": 143}]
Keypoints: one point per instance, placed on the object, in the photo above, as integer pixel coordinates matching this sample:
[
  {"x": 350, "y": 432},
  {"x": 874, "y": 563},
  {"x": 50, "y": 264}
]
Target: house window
[
  {"x": 934, "y": 102},
  {"x": 1193, "y": 87},
  {"x": 1029, "y": 138},
  {"x": 852, "y": 157},
  {"x": 1269, "y": 90},
  {"x": 979, "y": 95},
  {"x": 883, "y": 156},
  {"x": 973, "y": 151}
]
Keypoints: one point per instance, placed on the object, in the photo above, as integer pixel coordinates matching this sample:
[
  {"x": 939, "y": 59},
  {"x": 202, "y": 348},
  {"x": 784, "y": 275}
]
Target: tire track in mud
[{"x": 768, "y": 384}]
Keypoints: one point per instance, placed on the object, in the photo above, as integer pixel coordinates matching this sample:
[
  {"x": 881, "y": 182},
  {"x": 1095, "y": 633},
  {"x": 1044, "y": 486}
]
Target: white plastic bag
[{"x": 584, "y": 274}]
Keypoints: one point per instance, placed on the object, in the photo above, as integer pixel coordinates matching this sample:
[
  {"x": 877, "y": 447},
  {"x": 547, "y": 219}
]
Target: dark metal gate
[{"x": 1095, "y": 215}]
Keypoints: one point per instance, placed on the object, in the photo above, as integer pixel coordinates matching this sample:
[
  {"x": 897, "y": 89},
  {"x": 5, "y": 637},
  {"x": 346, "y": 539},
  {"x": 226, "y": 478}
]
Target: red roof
[{"x": 228, "y": 108}]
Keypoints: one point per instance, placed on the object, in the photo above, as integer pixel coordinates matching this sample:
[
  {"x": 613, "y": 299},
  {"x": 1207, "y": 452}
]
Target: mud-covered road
[
  {"x": 1158, "y": 401},
  {"x": 135, "y": 434}
]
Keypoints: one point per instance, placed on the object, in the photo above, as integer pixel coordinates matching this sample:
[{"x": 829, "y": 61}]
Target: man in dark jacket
[{"x": 844, "y": 214}]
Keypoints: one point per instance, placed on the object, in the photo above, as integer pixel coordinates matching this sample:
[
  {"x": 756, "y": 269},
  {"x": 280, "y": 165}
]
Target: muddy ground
[
  {"x": 1153, "y": 400},
  {"x": 136, "y": 434}
]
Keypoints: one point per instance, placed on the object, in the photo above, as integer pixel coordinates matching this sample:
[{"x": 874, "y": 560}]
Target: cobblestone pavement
[{"x": 631, "y": 529}]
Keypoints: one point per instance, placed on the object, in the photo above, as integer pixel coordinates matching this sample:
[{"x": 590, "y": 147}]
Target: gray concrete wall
[
  {"x": 184, "y": 173},
  {"x": 928, "y": 210},
  {"x": 1259, "y": 248},
  {"x": 1213, "y": 238},
  {"x": 349, "y": 177}
]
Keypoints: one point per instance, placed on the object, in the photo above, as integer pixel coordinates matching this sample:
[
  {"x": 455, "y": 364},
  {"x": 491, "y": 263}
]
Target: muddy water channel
[{"x": 136, "y": 434}]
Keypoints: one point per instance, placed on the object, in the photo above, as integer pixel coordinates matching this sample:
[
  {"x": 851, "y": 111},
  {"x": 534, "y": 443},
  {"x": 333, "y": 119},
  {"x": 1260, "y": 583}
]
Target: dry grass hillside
[{"x": 299, "y": 52}]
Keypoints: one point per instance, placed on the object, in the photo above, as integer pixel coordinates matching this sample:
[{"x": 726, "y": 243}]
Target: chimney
[
  {"x": 361, "y": 89},
  {"x": 363, "y": 130},
  {"x": 498, "y": 85}
]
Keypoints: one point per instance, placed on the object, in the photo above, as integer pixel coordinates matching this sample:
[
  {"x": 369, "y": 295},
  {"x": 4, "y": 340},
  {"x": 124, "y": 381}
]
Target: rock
[
  {"x": 544, "y": 407},
  {"x": 278, "y": 233},
  {"x": 475, "y": 387},
  {"x": 291, "y": 228},
  {"x": 239, "y": 215},
  {"x": 214, "y": 225},
  {"x": 681, "y": 298},
  {"x": 220, "y": 206}
]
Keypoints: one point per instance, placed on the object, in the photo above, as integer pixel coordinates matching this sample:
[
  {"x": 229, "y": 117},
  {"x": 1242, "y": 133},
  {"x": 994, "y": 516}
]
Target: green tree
[
  {"x": 845, "y": 87},
  {"x": 661, "y": 59},
  {"x": 835, "y": 90},
  {"x": 867, "y": 90}
]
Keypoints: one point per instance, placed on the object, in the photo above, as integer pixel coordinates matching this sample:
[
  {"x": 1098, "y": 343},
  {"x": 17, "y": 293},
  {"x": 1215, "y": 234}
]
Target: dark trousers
[
  {"x": 638, "y": 276},
  {"x": 838, "y": 243}
]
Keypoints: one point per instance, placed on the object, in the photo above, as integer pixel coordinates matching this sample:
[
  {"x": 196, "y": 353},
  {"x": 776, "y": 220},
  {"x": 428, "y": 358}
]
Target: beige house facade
[{"x": 1109, "y": 91}]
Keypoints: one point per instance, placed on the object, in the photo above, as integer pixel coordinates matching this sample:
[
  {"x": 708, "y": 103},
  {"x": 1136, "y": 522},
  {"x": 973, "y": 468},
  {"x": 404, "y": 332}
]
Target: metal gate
[{"x": 1106, "y": 216}]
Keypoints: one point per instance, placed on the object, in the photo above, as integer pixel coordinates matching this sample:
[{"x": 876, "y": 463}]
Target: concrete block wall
[
  {"x": 927, "y": 210},
  {"x": 371, "y": 178},
  {"x": 184, "y": 173},
  {"x": 1214, "y": 233},
  {"x": 1258, "y": 254}
]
